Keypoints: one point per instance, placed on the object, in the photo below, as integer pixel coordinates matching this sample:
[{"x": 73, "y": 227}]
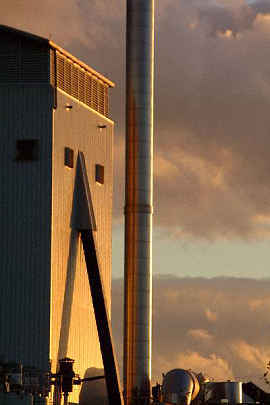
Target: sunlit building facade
[{"x": 51, "y": 107}]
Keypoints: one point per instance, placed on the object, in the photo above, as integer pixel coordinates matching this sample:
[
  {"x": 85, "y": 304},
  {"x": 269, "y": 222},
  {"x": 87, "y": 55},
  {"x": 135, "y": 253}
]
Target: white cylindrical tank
[
  {"x": 179, "y": 387},
  {"x": 227, "y": 390}
]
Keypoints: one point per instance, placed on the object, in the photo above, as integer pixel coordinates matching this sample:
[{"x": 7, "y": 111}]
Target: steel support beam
[{"x": 102, "y": 319}]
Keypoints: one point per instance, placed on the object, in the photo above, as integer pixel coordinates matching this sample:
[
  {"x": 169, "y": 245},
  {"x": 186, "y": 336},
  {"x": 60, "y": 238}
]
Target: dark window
[
  {"x": 27, "y": 150},
  {"x": 69, "y": 157},
  {"x": 100, "y": 174}
]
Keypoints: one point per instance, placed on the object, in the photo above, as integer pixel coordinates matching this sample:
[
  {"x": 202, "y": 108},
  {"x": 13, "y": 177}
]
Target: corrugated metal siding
[
  {"x": 25, "y": 214},
  {"x": 78, "y": 129}
]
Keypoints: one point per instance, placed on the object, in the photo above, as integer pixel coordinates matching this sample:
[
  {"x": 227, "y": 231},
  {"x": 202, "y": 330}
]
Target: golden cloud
[
  {"x": 255, "y": 356},
  {"x": 200, "y": 334},
  {"x": 213, "y": 366}
]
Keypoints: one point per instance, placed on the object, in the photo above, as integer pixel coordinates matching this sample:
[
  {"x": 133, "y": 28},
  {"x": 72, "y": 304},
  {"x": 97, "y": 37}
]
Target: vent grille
[
  {"x": 75, "y": 82},
  {"x": 34, "y": 62},
  {"x": 23, "y": 61},
  {"x": 81, "y": 86},
  {"x": 9, "y": 72},
  {"x": 52, "y": 67},
  {"x": 88, "y": 90},
  {"x": 79, "y": 83},
  {"x": 60, "y": 69},
  {"x": 94, "y": 103},
  {"x": 67, "y": 77},
  {"x": 101, "y": 96}
]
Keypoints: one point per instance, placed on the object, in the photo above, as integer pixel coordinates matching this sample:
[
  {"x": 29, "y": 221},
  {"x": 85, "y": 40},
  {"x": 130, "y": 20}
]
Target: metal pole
[{"x": 139, "y": 201}]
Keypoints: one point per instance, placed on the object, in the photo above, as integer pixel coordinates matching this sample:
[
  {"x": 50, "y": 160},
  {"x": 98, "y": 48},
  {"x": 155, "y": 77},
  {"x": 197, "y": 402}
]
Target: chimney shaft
[{"x": 139, "y": 200}]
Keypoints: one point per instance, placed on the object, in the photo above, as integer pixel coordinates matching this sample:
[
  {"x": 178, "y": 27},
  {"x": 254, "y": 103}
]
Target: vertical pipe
[{"x": 139, "y": 201}]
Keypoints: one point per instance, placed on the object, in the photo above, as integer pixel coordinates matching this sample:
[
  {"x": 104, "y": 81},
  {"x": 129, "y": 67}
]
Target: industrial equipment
[
  {"x": 254, "y": 394},
  {"x": 23, "y": 381},
  {"x": 179, "y": 387},
  {"x": 230, "y": 391},
  {"x": 31, "y": 386},
  {"x": 184, "y": 387}
]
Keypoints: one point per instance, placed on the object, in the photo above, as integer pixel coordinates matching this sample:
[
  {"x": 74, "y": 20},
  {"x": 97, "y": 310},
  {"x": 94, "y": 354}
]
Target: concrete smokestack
[{"x": 139, "y": 200}]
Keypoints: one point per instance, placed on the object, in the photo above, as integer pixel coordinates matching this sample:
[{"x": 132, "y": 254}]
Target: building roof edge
[
  {"x": 53, "y": 45},
  {"x": 26, "y": 34},
  {"x": 81, "y": 64}
]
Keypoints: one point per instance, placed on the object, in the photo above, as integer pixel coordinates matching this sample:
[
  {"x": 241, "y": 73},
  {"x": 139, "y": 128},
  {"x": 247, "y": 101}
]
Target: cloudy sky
[
  {"x": 218, "y": 326},
  {"x": 212, "y": 149}
]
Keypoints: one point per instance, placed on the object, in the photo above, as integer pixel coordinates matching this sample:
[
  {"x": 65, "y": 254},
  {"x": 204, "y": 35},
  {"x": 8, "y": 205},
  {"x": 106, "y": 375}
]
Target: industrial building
[
  {"x": 53, "y": 107},
  {"x": 55, "y": 223}
]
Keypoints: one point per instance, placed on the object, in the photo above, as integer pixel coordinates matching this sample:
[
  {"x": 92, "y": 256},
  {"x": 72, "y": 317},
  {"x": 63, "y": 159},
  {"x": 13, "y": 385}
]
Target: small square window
[
  {"x": 69, "y": 157},
  {"x": 100, "y": 174},
  {"x": 27, "y": 150}
]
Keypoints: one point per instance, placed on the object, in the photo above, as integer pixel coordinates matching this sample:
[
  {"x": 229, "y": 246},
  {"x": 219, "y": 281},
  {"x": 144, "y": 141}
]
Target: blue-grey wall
[{"x": 25, "y": 224}]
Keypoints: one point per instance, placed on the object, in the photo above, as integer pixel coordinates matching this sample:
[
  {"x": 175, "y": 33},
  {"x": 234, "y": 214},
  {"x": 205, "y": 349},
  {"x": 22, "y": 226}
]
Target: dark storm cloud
[
  {"x": 220, "y": 20},
  {"x": 212, "y": 103},
  {"x": 218, "y": 326},
  {"x": 234, "y": 17}
]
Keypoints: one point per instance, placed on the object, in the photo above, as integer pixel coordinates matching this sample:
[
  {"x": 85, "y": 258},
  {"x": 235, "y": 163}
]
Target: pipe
[{"x": 138, "y": 201}]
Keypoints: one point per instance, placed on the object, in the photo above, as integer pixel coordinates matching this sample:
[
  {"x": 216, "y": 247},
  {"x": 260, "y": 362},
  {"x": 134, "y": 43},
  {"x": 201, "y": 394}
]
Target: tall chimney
[{"x": 139, "y": 200}]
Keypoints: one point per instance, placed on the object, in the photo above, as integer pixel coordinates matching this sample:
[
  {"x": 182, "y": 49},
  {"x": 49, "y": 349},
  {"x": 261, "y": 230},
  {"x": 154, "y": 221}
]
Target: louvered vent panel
[
  {"x": 23, "y": 60},
  {"x": 34, "y": 62},
  {"x": 88, "y": 90},
  {"x": 80, "y": 84},
  {"x": 67, "y": 77},
  {"x": 9, "y": 72},
  {"x": 9, "y": 56},
  {"x": 34, "y": 68},
  {"x": 60, "y": 69},
  {"x": 75, "y": 82},
  {"x": 101, "y": 98},
  {"x": 94, "y": 101},
  {"x": 81, "y": 90},
  {"x": 106, "y": 101},
  {"x": 52, "y": 68}
]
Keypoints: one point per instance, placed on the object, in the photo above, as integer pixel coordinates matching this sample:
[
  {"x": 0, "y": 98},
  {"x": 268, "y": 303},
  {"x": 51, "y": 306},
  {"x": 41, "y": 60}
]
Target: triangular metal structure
[
  {"x": 82, "y": 213},
  {"x": 83, "y": 220}
]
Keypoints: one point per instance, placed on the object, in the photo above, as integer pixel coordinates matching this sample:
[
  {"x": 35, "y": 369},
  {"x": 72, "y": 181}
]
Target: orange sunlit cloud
[
  {"x": 200, "y": 334},
  {"x": 235, "y": 345}
]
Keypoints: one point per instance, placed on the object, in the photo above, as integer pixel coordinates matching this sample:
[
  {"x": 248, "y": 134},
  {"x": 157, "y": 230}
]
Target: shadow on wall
[{"x": 94, "y": 392}]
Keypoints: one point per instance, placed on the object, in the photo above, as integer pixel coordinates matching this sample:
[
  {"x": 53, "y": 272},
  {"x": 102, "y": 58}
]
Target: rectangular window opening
[
  {"x": 100, "y": 174},
  {"x": 69, "y": 157},
  {"x": 27, "y": 150}
]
